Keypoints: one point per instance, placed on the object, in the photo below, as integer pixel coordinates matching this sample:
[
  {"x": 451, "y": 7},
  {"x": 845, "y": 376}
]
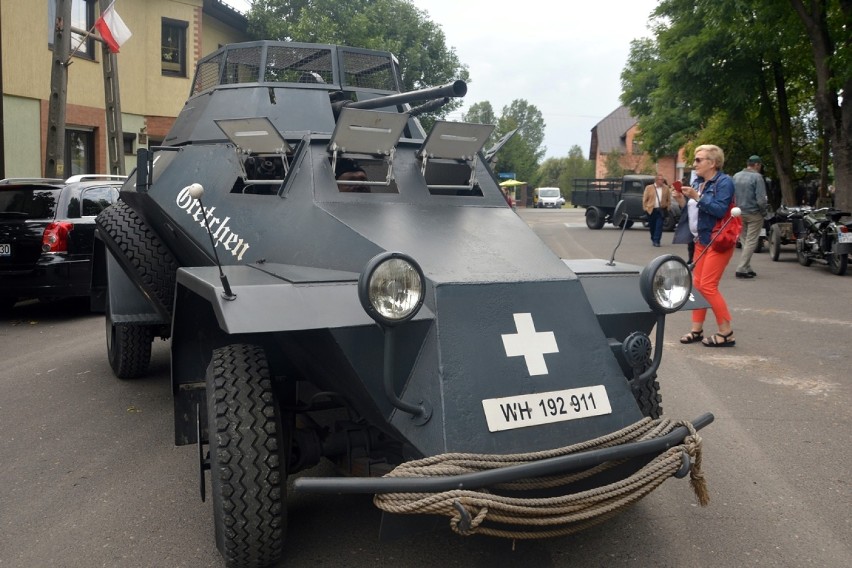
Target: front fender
[{"x": 280, "y": 297}]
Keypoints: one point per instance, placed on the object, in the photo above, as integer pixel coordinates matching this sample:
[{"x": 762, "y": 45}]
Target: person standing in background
[
  {"x": 751, "y": 199},
  {"x": 687, "y": 227},
  {"x": 656, "y": 201}
]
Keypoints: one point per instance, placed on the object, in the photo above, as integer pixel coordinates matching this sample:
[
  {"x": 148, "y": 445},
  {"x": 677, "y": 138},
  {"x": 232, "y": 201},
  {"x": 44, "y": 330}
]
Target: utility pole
[
  {"x": 112, "y": 104},
  {"x": 54, "y": 164}
]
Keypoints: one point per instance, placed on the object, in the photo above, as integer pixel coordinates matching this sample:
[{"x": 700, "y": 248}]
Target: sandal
[
  {"x": 692, "y": 337},
  {"x": 727, "y": 340}
]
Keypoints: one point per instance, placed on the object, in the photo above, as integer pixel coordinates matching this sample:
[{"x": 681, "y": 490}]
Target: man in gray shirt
[{"x": 751, "y": 198}]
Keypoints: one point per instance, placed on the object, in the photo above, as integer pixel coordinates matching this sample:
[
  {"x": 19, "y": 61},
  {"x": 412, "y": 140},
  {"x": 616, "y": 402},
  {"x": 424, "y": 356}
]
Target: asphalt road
[{"x": 89, "y": 476}]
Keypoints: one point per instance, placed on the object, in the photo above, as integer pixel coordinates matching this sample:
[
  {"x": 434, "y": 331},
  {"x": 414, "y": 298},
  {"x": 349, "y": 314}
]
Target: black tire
[
  {"x": 803, "y": 258},
  {"x": 647, "y": 394},
  {"x": 128, "y": 348},
  {"x": 761, "y": 242},
  {"x": 669, "y": 223},
  {"x": 151, "y": 265},
  {"x": 248, "y": 474},
  {"x": 6, "y": 304},
  {"x": 774, "y": 243},
  {"x": 838, "y": 263},
  {"x": 594, "y": 218}
]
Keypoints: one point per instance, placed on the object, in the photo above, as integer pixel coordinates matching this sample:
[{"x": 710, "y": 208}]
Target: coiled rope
[{"x": 494, "y": 513}]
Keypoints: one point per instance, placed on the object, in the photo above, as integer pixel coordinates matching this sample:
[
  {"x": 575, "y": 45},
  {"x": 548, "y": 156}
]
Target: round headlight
[
  {"x": 391, "y": 288},
  {"x": 666, "y": 284}
]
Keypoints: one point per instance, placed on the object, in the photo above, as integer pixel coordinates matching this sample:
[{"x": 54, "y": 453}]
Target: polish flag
[{"x": 112, "y": 28}]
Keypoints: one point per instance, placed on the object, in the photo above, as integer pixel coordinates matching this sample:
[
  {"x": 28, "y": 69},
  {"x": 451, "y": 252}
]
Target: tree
[
  {"x": 521, "y": 154},
  {"x": 827, "y": 25},
  {"x": 391, "y": 25},
  {"x": 480, "y": 113},
  {"x": 736, "y": 68},
  {"x": 613, "y": 165},
  {"x": 561, "y": 172}
]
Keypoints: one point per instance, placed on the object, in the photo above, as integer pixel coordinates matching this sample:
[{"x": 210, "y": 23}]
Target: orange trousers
[{"x": 705, "y": 277}]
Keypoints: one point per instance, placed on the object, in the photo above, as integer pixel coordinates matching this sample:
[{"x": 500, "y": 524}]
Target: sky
[{"x": 565, "y": 58}]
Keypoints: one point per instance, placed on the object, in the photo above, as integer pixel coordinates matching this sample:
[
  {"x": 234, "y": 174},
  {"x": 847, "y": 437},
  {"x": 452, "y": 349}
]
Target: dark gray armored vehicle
[{"x": 338, "y": 284}]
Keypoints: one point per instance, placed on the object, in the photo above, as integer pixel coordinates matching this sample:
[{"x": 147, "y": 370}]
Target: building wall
[
  {"x": 215, "y": 34},
  {"x": 150, "y": 101},
  {"x": 672, "y": 167},
  {"x": 22, "y": 137}
]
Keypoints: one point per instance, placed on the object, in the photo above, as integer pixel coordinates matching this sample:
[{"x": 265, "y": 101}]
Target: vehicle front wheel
[
  {"x": 594, "y": 218},
  {"x": 774, "y": 243},
  {"x": 647, "y": 394},
  {"x": 838, "y": 263},
  {"x": 248, "y": 473},
  {"x": 801, "y": 255}
]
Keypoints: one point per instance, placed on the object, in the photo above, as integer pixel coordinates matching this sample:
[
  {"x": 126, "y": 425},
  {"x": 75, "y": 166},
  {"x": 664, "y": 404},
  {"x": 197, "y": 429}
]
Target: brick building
[
  {"x": 154, "y": 67},
  {"x": 617, "y": 133}
]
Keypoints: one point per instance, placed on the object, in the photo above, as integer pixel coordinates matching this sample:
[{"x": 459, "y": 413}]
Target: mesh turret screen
[
  {"x": 368, "y": 71},
  {"x": 285, "y": 64}
]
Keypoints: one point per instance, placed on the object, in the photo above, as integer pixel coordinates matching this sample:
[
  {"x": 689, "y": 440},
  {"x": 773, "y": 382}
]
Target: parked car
[
  {"x": 549, "y": 197},
  {"x": 47, "y": 232}
]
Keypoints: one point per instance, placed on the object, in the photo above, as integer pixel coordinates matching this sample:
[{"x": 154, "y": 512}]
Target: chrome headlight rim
[
  {"x": 649, "y": 283},
  {"x": 366, "y": 281}
]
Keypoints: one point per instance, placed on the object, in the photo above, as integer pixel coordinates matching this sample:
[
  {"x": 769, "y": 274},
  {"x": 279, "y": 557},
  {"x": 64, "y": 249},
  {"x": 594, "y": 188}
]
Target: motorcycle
[
  {"x": 784, "y": 226},
  {"x": 824, "y": 239}
]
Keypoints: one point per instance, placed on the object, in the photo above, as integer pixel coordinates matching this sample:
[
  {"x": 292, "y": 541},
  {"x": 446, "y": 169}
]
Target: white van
[{"x": 549, "y": 197}]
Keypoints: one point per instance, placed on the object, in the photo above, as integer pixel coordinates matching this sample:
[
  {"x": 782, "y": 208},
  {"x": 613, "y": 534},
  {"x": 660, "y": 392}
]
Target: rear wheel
[
  {"x": 128, "y": 348},
  {"x": 774, "y": 243},
  {"x": 594, "y": 218},
  {"x": 248, "y": 474}
]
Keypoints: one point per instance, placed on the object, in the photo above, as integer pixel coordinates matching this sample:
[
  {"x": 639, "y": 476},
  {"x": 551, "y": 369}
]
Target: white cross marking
[{"x": 530, "y": 343}]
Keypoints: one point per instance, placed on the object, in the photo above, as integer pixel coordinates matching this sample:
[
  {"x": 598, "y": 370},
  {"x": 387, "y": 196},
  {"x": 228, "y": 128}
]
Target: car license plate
[
  {"x": 5, "y": 249},
  {"x": 524, "y": 410},
  {"x": 841, "y": 238}
]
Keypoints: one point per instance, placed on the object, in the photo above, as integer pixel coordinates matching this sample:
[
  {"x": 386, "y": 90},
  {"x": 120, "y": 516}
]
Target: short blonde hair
[{"x": 713, "y": 153}]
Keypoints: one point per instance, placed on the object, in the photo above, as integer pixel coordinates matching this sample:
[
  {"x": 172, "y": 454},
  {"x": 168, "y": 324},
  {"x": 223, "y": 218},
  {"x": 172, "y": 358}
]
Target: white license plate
[
  {"x": 841, "y": 238},
  {"x": 545, "y": 408},
  {"x": 5, "y": 250}
]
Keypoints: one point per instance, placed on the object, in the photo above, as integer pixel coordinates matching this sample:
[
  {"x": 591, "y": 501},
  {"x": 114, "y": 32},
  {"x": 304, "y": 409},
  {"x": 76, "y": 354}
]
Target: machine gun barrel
[{"x": 457, "y": 88}]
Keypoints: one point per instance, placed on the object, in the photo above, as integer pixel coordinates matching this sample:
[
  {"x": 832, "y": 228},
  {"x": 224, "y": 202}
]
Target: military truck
[
  {"x": 600, "y": 196},
  {"x": 391, "y": 324}
]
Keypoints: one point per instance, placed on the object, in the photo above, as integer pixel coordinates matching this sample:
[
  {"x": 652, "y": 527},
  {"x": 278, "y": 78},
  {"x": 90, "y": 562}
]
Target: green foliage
[
  {"x": 480, "y": 113},
  {"x": 613, "y": 166},
  {"x": 522, "y": 153},
  {"x": 561, "y": 172},
  {"x": 391, "y": 25},
  {"x": 746, "y": 75}
]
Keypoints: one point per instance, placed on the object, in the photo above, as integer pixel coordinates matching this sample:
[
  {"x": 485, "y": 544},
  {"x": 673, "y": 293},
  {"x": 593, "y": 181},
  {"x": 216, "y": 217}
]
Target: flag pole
[
  {"x": 76, "y": 49},
  {"x": 88, "y": 34}
]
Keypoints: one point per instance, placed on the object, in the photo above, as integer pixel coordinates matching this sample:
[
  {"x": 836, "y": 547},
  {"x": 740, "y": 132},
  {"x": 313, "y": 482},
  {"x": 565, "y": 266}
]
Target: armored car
[{"x": 338, "y": 284}]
